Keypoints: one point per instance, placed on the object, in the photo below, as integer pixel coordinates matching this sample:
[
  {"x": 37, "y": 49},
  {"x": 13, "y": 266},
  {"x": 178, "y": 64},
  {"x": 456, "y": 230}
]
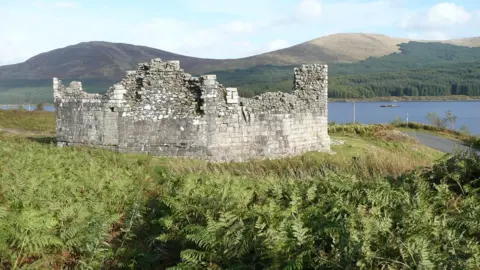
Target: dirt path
[{"x": 17, "y": 131}]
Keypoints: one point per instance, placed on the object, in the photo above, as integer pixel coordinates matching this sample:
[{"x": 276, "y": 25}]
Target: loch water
[{"x": 467, "y": 112}]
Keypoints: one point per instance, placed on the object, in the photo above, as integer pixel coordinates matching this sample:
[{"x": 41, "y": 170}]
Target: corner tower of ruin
[{"x": 161, "y": 110}]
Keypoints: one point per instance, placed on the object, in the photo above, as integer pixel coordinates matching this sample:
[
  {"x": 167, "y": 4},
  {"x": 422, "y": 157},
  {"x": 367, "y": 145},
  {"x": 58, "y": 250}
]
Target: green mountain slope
[
  {"x": 106, "y": 60},
  {"x": 88, "y": 60},
  {"x": 426, "y": 66},
  {"x": 418, "y": 68}
]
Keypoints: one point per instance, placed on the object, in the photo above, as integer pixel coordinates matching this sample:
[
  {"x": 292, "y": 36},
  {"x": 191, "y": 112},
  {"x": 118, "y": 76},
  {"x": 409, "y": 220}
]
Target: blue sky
[{"x": 222, "y": 28}]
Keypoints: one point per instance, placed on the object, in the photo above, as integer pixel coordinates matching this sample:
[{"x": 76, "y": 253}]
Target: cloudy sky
[{"x": 222, "y": 28}]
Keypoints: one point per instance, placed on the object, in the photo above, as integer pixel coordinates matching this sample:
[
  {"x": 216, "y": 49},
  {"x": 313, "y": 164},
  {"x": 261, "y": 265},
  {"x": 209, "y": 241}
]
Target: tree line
[
  {"x": 420, "y": 69},
  {"x": 453, "y": 79},
  {"x": 458, "y": 79}
]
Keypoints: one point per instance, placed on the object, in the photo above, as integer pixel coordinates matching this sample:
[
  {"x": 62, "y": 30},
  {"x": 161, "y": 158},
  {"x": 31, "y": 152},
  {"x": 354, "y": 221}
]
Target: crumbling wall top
[
  {"x": 73, "y": 92},
  {"x": 309, "y": 93},
  {"x": 163, "y": 88}
]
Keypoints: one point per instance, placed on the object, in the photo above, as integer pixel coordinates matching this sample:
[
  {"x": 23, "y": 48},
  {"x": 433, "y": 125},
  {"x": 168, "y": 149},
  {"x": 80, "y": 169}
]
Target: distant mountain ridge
[
  {"x": 430, "y": 68},
  {"x": 106, "y": 60}
]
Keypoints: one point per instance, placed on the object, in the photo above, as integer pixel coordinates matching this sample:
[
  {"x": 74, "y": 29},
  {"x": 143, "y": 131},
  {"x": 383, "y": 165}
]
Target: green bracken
[
  {"x": 326, "y": 221},
  {"x": 380, "y": 203},
  {"x": 58, "y": 206}
]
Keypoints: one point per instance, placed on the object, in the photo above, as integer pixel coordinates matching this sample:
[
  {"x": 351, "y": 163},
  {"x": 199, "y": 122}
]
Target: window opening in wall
[
  {"x": 138, "y": 97},
  {"x": 112, "y": 109},
  {"x": 198, "y": 99}
]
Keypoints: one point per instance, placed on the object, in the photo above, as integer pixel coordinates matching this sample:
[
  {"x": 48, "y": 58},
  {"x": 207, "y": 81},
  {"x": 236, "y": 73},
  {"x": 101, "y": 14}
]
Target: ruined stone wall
[{"x": 161, "y": 110}]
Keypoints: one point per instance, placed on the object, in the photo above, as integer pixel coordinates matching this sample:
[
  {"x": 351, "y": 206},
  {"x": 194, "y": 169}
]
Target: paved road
[{"x": 437, "y": 142}]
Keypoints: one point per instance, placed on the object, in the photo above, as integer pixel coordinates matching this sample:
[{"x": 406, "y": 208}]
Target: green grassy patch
[
  {"x": 38, "y": 121},
  {"x": 362, "y": 156}
]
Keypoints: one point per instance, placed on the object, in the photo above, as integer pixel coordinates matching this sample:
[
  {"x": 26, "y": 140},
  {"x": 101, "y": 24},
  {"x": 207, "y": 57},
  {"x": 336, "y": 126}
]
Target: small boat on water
[{"x": 389, "y": 106}]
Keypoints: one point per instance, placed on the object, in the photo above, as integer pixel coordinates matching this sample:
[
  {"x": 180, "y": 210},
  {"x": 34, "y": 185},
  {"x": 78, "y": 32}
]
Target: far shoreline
[
  {"x": 407, "y": 99},
  {"x": 350, "y": 100}
]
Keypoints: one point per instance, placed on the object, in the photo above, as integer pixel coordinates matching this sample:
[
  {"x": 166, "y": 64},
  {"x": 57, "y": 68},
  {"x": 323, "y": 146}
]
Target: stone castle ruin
[{"x": 161, "y": 110}]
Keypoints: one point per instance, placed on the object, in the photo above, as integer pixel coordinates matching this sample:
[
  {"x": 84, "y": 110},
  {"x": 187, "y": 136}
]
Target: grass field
[
  {"x": 383, "y": 201},
  {"x": 42, "y": 122}
]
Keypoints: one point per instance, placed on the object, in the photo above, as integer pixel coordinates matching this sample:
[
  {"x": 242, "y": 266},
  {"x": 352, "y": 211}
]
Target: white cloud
[
  {"x": 245, "y": 8},
  {"x": 65, "y": 4},
  {"x": 12, "y": 50},
  {"x": 184, "y": 38},
  {"x": 441, "y": 21},
  {"x": 439, "y": 16},
  {"x": 354, "y": 14},
  {"x": 444, "y": 14},
  {"x": 310, "y": 9}
]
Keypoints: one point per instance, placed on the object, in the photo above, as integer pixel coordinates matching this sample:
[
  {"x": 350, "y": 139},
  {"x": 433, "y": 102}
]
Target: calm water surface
[{"x": 467, "y": 112}]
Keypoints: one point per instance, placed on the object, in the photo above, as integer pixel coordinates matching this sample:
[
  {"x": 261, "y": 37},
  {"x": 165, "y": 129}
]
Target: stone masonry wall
[{"x": 161, "y": 110}]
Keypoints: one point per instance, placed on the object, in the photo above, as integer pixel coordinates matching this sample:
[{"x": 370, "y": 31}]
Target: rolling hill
[
  {"x": 100, "y": 64},
  {"x": 98, "y": 59}
]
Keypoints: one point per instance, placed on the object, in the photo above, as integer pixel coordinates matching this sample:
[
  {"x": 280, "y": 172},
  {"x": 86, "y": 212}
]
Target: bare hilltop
[{"x": 100, "y": 59}]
